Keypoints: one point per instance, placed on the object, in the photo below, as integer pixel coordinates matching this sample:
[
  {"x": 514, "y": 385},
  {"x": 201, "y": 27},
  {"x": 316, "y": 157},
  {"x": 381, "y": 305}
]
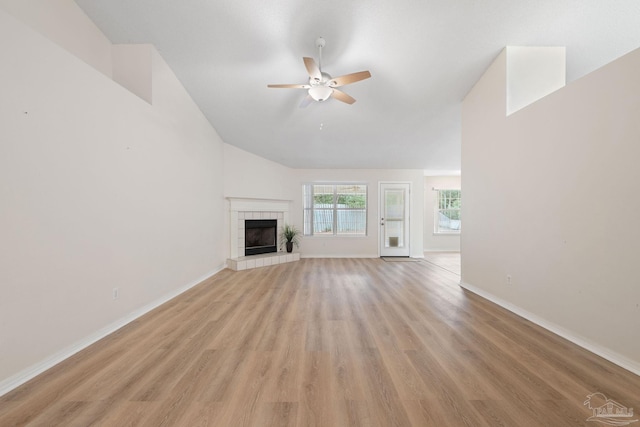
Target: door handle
[{"x": 381, "y": 221}]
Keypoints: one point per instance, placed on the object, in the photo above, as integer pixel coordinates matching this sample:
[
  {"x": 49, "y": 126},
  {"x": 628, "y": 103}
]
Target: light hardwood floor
[
  {"x": 448, "y": 260},
  {"x": 324, "y": 342}
]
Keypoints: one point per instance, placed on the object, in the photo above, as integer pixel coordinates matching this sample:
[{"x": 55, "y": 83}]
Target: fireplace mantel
[{"x": 248, "y": 204}]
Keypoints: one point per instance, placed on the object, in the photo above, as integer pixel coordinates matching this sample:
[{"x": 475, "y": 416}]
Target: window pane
[
  {"x": 351, "y": 196},
  {"x": 352, "y": 221},
  {"x": 323, "y": 221},
  {"x": 323, "y": 196},
  {"x": 351, "y": 202},
  {"x": 448, "y": 211}
]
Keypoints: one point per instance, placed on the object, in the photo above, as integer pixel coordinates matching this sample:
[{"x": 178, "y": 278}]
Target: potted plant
[{"x": 290, "y": 236}]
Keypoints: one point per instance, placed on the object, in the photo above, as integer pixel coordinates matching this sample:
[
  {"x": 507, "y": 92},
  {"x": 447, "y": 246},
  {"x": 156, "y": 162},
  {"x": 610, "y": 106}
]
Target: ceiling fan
[{"x": 321, "y": 85}]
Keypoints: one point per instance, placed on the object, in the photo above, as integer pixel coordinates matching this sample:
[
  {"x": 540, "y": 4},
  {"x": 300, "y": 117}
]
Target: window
[
  {"x": 335, "y": 209},
  {"x": 448, "y": 211}
]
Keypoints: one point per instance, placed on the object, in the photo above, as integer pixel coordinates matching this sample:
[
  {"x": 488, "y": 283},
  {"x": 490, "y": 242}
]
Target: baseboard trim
[
  {"x": 611, "y": 356},
  {"x": 29, "y": 373},
  {"x": 351, "y": 256},
  {"x": 336, "y": 256}
]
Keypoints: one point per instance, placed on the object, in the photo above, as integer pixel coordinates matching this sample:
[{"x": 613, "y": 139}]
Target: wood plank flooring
[
  {"x": 324, "y": 342},
  {"x": 448, "y": 260}
]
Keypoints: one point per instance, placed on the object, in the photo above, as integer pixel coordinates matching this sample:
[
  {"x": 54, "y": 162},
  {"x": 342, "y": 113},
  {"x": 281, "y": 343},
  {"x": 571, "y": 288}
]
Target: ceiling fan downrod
[{"x": 320, "y": 42}]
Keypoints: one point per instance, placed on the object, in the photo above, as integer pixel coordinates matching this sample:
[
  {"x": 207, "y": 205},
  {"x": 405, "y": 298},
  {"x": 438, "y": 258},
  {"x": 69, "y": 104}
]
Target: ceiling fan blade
[
  {"x": 341, "y": 96},
  {"x": 306, "y": 101},
  {"x": 349, "y": 78},
  {"x": 292, "y": 86},
  {"x": 312, "y": 69}
]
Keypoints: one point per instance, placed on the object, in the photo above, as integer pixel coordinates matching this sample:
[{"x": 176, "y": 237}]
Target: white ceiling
[{"x": 424, "y": 56}]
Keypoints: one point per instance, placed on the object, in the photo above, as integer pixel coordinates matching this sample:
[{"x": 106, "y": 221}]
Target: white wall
[
  {"x": 533, "y": 73},
  {"x": 251, "y": 176},
  {"x": 365, "y": 247},
  {"x": 438, "y": 242},
  {"x": 64, "y": 23},
  {"x": 132, "y": 68},
  {"x": 550, "y": 198},
  {"x": 99, "y": 190}
]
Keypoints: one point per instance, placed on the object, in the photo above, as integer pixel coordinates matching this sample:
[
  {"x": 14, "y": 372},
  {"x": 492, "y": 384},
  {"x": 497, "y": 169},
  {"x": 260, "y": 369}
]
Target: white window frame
[
  {"x": 438, "y": 211},
  {"x": 308, "y": 209}
]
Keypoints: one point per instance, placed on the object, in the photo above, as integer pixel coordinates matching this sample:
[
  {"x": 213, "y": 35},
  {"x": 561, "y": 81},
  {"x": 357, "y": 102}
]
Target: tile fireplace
[{"x": 243, "y": 211}]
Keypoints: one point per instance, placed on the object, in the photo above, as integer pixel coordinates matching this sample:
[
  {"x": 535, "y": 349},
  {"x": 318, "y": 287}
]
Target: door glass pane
[
  {"x": 394, "y": 204},
  {"x": 394, "y": 218}
]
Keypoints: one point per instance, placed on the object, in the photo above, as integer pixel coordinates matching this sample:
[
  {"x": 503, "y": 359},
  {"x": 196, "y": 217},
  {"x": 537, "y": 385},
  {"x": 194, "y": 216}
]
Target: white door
[{"x": 394, "y": 219}]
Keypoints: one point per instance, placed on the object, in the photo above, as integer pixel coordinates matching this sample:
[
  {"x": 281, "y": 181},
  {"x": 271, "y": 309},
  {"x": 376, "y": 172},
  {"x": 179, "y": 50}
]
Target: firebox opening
[{"x": 260, "y": 236}]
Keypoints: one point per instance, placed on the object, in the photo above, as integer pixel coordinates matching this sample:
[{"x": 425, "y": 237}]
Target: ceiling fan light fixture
[{"x": 320, "y": 93}]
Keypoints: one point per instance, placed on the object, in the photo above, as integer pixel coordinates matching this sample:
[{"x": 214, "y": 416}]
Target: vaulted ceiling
[{"x": 424, "y": 56}]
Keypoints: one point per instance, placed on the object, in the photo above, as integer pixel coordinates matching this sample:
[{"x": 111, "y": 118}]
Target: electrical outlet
[
  {"x": 115, "y": 293},
  {"x": 509, "y": 279}
]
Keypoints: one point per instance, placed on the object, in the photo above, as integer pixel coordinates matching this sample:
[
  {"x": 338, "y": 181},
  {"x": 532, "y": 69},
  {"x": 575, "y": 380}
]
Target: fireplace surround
[{"x": 260, "y": 236}]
